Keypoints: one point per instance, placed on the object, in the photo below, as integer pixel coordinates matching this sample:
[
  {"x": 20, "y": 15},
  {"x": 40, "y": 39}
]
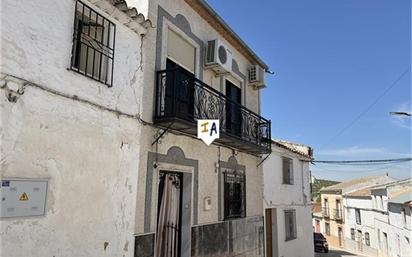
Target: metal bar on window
[
  {"x": 90, "y": 44},
  {"x": 74, "y": 34},
  {"x": 114, "y": 39}
]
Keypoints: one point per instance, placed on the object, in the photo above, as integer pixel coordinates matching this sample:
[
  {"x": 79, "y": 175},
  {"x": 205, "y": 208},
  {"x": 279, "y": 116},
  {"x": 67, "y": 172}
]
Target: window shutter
[
  {"x": 294, "y": 224},
  {"x": 180, "y": 51},
  {"x": 291, "y": 179}
]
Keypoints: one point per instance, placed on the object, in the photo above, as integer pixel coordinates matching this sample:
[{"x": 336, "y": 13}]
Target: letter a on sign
[{"x": 208, "y": 130}]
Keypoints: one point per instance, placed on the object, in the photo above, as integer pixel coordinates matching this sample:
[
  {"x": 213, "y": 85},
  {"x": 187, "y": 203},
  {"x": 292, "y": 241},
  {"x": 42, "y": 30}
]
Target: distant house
[
  {"x": 391, "y": 204},
  {"x": 317, "y": 217},
  {"x": 360, "y": 235},
  {"x": 287, "y": 202},
  {"x": 333, "y": 220}
]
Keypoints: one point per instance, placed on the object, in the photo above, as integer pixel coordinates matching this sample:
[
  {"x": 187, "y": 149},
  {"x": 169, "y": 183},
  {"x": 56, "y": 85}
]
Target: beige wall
[{"x": 333, "y": 239}]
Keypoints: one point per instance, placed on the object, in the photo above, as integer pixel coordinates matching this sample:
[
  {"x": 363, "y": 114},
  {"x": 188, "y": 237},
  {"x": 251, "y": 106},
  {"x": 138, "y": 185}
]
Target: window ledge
[{"x": 290, "y": 239}]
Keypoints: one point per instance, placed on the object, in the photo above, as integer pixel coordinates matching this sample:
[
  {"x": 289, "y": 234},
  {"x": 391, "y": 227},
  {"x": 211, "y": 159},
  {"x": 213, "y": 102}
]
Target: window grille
[
  {"x": 327, "y": 229},
  {"x": 358, "y": 216},
  {"x": 234, "y": 195},
  {"x": 93, "y": 44},
  {"x": 367, "y": 240},
  {"x": 352, "y": 233},
  {"x": 290, "y": 224}
]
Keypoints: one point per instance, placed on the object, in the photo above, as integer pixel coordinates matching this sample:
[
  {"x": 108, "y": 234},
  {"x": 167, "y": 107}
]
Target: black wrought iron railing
[
  {"x": 180, "y": 95},
  {"x": 337, "y": 214},
  {"x": 325, "y": 211}
]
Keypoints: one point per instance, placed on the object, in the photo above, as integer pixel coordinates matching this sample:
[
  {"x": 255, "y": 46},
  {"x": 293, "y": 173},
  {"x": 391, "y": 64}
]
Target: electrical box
[{"x": 22, "y": 197}]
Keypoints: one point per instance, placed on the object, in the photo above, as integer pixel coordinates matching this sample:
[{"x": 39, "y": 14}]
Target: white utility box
[{"x": 22, "y": 197}]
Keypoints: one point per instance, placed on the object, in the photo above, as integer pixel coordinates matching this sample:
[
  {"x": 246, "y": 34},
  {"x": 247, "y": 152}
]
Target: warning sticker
[{"x": 24, "y": 197}]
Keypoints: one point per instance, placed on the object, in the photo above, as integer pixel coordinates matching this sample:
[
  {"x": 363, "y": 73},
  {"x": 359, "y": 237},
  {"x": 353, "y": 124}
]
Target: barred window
[
  {"x": 367, "y": 239},
  {"x": 327, "y": 228},
  {"x": 234, "y": 195},
  {"x": 358, "y": 216},
  {"x": 290, "y": 224},
  {"x": 352, "y": 233},
  {"x": 93, "y": 44},
  {"x": 287, "y": 168}
]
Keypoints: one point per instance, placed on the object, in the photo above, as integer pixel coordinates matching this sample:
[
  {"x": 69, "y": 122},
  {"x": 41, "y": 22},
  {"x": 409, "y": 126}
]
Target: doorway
[
  {"x": 169, "y": 218},
  {"x": 340, "y": 236},
  {"x": 179, "y": 91},
  {"x": 317, "y": 226},
  {"x": 359, "y": 243},
  {"x": 271, "y": 233},
  {"x": 233, "y": 109}
]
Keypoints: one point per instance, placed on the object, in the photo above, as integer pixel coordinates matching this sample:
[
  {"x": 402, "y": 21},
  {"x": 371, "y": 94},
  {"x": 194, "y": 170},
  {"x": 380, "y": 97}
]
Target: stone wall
[{"x": 240, "y": 237}]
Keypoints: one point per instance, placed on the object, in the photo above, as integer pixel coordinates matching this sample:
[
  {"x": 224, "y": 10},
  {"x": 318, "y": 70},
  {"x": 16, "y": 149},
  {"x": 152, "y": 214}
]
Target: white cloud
[
  {"x": 347, "y": 172},
  {"x": 351, "y": 151}
]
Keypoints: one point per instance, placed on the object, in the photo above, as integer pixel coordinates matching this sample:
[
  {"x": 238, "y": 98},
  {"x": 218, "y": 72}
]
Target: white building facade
[
  {"x": 100, "y": 103},
  {"x": 221, "y": 211},
  {"x": 360, "y": 232},
  {"x": 392, "y": 209},
  {"x": 71, "y": 92},
  {"x": 288, "y": 225}
]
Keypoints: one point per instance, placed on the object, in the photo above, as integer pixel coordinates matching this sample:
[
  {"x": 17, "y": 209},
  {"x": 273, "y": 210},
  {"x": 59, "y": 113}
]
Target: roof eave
[{"x": 219, "y": 19}]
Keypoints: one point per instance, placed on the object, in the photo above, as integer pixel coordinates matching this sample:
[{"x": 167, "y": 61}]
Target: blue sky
[{"x": 332, "y": 60}]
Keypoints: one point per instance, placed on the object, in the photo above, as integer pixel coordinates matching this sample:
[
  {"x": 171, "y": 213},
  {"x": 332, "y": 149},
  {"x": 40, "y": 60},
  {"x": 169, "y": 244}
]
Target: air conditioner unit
[
  {"x": 257, "y": 76},
  {"x": 218, "y": 57}
]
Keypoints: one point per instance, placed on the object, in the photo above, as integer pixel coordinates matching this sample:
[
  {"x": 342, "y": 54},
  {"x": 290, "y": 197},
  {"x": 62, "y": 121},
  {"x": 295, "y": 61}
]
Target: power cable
[
  {"x": 363, "y": 162},
  {"x": 367, "y": 109}
]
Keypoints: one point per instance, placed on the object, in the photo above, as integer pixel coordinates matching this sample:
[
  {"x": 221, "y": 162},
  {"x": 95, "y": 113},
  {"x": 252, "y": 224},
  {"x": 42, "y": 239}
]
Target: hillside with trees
[{"x": 317, "y": 185}]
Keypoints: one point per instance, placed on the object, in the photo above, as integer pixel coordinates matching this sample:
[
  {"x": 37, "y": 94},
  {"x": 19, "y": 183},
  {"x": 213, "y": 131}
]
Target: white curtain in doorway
[{"x": 167, "y": 240}]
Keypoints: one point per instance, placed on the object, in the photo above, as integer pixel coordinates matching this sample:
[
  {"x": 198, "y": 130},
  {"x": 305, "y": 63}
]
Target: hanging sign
[{"x": 208, "y": 130}]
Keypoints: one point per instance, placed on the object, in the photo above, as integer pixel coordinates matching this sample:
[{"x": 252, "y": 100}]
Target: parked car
[{"x": 320, "y": 242}]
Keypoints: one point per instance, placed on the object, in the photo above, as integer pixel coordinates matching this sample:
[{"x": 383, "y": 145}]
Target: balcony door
[
  {"x": 179, "y": 92},
  {"x": 233, "y": 110}
]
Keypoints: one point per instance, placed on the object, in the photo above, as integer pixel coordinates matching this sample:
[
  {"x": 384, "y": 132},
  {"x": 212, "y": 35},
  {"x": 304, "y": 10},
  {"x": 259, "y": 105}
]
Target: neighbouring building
[
  {"x": 287, "y": 201},
  {"x": 317, "y": 217},
  {"x": 360, "y": 235},
  {"x": 333, "y": 206},
  {"x": 392, "y": 215},
  {"x": 71, "y": 89}
]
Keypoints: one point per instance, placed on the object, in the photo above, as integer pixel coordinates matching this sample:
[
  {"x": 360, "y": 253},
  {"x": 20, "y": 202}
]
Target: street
[{"x": 337, "y": 253}]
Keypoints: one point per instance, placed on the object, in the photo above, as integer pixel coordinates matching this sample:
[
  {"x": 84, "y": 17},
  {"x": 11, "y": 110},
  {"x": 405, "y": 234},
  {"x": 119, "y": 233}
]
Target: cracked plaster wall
[{"x": 88, "y": 152}]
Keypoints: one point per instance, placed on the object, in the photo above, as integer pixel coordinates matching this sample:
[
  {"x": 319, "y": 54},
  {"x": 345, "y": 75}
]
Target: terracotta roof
[
  {"x": 129, "y": 16},
  {"x": 209, "y": 15},
  {"x": 316, "y": 207},
  {"x": 132, "y": 13},
  {"x": 293, "y": 148},
  {"x": 402, "y": 198},
  {"x": 360, "y": 193},
  {"x": 354, "y": 182}
]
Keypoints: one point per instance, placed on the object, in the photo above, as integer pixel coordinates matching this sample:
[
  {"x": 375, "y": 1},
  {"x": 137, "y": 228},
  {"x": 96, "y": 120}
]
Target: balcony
[
  {"x": 182, "y": 99},
  {"x": 325, "y": 212},
  {"x": 337, "y": 214}
]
